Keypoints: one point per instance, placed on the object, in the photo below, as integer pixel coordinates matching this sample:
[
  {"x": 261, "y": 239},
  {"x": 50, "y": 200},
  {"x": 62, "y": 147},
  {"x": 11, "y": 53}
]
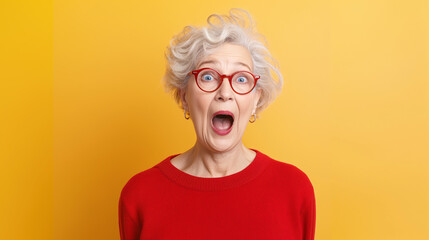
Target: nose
[{"x": 225, "y": 91}]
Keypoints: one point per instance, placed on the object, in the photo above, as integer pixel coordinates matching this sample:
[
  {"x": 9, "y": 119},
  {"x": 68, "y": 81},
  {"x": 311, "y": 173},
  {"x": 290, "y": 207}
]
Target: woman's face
[{"x": 216, "y": 132}]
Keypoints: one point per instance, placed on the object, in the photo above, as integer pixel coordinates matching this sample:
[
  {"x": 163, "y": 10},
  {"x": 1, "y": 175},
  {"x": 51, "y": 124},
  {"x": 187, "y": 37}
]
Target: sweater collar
[{"x": 249, "y": 173}]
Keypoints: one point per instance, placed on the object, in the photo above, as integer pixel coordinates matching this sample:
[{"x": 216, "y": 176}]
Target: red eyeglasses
[{"x": 209, "y": 80}]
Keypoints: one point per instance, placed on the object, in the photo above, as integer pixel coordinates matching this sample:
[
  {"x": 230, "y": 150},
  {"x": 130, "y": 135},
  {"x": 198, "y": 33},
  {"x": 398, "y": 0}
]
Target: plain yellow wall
[
  {"x": 83, "y": 109},
  {"x": 26, "y": 120}
]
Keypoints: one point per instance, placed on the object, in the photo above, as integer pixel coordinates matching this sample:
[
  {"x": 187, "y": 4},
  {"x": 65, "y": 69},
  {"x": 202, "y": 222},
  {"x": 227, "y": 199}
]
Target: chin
[{"x": 221, "y": 145}]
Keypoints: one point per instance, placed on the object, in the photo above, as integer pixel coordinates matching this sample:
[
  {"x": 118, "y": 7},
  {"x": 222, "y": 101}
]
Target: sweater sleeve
[
  {"x": 129, "y": 228},
  {"x": 309, "y": 213}
]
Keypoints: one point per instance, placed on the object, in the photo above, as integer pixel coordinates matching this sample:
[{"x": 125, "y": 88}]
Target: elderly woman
[{"x": 222, "y": 76}]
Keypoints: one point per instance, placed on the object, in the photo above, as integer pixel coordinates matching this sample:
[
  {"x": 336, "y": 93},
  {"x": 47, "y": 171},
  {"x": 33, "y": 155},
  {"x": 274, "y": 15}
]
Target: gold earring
[
  {"x": 186, "y": 114},
  {"x": 254, "y": 118}
]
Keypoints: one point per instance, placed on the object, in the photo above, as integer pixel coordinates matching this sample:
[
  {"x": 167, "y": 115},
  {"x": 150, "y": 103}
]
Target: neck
[{"x": 203, "y": 162}]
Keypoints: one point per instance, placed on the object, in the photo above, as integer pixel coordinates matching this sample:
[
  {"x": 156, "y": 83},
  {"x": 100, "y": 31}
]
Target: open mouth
[{"x": 222, "y": 122}]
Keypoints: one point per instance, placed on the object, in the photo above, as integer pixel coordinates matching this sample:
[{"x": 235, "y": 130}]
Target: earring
[
  {"x": 186, "y": 114},
  {"x": 252, "y": 120}
]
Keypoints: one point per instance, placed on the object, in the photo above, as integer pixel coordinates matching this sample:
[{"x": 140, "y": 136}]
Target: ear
[
  {"x": 258, "y": 94},
  {"x": 182, "y": 93}
]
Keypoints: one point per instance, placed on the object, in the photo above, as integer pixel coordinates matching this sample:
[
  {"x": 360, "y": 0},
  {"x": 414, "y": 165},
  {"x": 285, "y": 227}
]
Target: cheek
[
  {"x": 247, "y": 105},
  {"x": 245, "y": 108},
  {"x": 198, "y": 104},
  {"x": 198, "y": 107}
]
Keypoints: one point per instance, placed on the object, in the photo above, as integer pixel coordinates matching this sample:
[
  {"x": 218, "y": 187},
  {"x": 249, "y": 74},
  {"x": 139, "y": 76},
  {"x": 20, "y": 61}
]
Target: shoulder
[
  {"x": 141, "y": 183},
  {"x": 289, "y": 170},
  {"x": 141, "y": 177},
  {"x": 289, "y": 174}
]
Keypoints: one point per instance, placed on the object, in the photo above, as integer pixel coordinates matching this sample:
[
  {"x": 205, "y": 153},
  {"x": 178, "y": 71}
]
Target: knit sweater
[{"x": 267, "y": 200}]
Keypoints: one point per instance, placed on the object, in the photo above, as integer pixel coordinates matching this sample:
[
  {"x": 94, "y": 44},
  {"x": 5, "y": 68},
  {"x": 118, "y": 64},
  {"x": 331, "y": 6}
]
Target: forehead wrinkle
[
  {"x": 208, "y": 62},
  {"x": 218, "y": 64},
  {"x": 243, "y": 64}
]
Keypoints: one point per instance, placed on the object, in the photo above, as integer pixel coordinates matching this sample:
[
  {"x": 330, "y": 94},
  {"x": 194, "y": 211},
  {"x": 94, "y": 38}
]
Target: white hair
[{"x": 193, "y": 43}]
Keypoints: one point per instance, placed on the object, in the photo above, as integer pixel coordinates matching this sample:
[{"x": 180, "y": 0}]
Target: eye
[
  {"x": 242, "y": 79},
  {"x": 207, "y": 77}
]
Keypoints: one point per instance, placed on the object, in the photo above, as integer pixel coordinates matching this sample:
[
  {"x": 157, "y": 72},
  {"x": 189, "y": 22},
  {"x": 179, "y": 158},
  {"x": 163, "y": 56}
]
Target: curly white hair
[{"x": 193, "y": 43}]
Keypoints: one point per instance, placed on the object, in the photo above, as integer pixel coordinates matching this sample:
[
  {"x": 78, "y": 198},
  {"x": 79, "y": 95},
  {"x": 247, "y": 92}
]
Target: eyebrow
[{"x": 217, "y": 63}]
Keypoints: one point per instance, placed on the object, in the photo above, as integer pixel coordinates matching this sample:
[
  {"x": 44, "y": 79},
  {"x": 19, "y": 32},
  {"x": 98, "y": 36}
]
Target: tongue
[{"x": 221, "y": 123}]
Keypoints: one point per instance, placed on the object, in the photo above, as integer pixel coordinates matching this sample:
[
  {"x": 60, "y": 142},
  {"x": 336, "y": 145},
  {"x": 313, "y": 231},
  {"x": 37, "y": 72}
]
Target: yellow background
[{"x": 82, "y": 109}]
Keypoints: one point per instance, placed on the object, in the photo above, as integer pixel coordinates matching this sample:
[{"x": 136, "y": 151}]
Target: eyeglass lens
[{"x": 209, "y": 80}]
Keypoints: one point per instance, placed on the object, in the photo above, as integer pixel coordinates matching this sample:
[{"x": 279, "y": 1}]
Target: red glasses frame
[{"x": 222, "y": 77}]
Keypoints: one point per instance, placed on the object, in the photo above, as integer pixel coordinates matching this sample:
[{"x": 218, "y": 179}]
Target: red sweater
[{"x": 267, "y": 200}]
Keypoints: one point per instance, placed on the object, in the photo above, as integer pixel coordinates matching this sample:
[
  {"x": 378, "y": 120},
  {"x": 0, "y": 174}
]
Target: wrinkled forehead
[{"x": 228, "y": 56}]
